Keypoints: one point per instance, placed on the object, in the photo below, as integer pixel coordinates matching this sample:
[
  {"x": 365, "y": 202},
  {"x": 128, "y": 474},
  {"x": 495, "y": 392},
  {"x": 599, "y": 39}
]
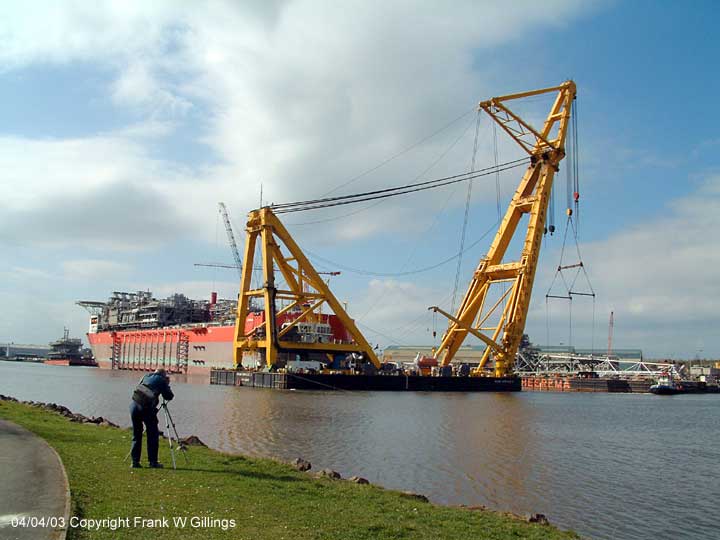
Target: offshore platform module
[{"x": 494, "y": 308}]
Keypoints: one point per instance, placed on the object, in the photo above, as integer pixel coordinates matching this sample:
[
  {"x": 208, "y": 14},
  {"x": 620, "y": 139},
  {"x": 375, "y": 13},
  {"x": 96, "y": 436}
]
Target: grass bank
[{"x": 266, "y": 498}]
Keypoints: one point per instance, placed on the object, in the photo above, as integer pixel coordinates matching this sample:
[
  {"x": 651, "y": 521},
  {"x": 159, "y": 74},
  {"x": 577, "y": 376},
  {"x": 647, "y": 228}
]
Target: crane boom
[
  {"x": 505, "y": 320},
  {"x": 231, "y": 238}
]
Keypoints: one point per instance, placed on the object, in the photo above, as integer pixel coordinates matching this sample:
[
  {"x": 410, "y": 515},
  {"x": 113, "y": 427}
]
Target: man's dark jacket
[{"x": 159, "y": 387}]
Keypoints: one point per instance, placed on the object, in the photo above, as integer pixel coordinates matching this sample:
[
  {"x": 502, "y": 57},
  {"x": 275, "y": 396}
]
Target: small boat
[{"x": 666, "y": 385}]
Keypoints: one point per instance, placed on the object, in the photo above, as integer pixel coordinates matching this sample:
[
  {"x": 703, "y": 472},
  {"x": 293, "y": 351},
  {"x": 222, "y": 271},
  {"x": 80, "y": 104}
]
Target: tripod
[{"x": 170, "y": 434}]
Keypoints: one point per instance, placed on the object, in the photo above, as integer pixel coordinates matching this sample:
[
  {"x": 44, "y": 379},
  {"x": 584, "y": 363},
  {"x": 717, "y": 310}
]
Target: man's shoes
[
  {"x": 136, "y": 465},
  {"x": 156, "y": 465}
]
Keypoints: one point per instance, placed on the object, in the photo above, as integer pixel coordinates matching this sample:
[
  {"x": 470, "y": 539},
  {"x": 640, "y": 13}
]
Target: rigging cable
[
  {"x": 576, "y": 171},
  {"x": 418, "y": 322},
  {"x": 301, "y": 206},
  {"x": 497, "y": 173},
  {"x": 568, "y": 181},
  {"x": 414, "y": 250},
  {"x": 547, "y": 321},
  {"x": 569, "y": 287},
  {"x": 428, "y": 230},
  {"x": 402, "y": 152},
  {"x": 380, "y": 201},
  {"x": 496, "y": 158},
  {"x": 412, "y": 253},
  {"x": 411, "y": 326},
  {"x": 406, "y": 273},
  {"x": 573, "y": 200},
  {"x": 466, "y": 216},
  {"x": 386, "y": 336}
]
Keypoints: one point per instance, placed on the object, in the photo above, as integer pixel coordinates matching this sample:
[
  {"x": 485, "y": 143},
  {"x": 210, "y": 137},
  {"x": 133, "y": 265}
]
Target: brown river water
[{"x": 605, "y": 465}]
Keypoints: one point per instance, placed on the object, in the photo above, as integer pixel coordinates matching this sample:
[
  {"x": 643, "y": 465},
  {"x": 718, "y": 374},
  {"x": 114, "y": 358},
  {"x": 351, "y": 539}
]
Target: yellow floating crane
[
  {"x": 306, "y": 292},
  {"x": 504, "y": 319}
]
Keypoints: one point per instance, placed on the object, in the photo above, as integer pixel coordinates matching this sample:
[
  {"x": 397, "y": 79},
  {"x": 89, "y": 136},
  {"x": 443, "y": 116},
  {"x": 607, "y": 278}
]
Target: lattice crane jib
[
  {"x": 501, "y": 323},
  {"x": 231, "y": 236},
  {"x": 304, "y": 293}
]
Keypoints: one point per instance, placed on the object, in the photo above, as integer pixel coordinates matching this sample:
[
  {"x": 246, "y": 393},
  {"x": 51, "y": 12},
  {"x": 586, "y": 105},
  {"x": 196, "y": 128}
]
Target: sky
[{"x": 125, "y": 123}]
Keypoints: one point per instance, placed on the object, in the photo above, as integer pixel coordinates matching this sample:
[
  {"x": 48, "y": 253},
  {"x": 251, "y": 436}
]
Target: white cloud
[
  {"x": 396, "y": 312},
  {"x": 47, "y": 31},
  {"x": 138, "y": 86},
  {"x": 146, "y": 130},
  {"x": 38, "y": 318},
  {"x": 329, "y": 91},
  {"x": 86, "y": 269},
  {"x": 299, "y": 95},
  {"x": 105, "y": 191}
]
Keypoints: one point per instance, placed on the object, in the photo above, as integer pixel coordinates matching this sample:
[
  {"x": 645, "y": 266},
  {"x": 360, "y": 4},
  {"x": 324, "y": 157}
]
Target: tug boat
[{"x": 666, "y": 385}]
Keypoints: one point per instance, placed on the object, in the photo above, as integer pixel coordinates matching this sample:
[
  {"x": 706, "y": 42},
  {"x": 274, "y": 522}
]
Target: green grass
[{"x": 266, "y": 498}]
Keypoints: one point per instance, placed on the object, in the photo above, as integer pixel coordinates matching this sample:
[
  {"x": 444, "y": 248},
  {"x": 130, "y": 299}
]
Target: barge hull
[{"x": 393, "y": 383}]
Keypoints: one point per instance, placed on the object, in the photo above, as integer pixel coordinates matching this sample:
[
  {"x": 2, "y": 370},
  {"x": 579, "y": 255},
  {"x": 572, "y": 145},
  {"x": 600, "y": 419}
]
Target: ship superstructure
[
  {"x": 68, "y": 351},
  {"x": 66, "y": 348},
  {"x": 131, "y": 310}
]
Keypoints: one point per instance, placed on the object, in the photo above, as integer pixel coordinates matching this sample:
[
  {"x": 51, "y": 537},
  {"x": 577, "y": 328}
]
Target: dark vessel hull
[
  {"x": 664, "y": 390},
  {"x": 322, "y": 381}
]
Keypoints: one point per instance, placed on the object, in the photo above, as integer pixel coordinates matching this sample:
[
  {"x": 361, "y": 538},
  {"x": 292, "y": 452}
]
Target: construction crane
[
  {"x": 231, "y": 239},
  {"x": 611, "y": 325},
  {"x": 505, "y": 318}
]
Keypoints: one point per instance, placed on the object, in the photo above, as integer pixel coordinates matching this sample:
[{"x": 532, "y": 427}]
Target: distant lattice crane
[
  {"x": 611, "y": 325},
  {"x": 231, "y": 238}
]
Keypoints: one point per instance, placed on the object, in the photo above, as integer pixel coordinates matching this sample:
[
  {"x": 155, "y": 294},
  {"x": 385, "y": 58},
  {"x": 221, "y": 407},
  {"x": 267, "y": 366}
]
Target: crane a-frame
[
  {"x": 305, "y": 290},
  {"x": 505, "y": 318}
]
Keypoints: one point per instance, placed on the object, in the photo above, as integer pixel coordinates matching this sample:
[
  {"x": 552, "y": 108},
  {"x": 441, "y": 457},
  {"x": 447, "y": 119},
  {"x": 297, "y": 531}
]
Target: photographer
[{"x": 143, "y": 410}]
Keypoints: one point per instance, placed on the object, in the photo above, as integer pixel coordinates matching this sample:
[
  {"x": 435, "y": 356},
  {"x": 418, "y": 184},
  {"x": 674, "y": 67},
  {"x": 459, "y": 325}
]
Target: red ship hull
[
  {"x": 192, "y": 349},
  {"x": 179, "y": 350},
  {"x": 70, "y": 362}
]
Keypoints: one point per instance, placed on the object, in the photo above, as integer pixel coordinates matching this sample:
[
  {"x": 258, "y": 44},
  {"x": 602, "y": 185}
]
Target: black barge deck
[{"x": 395, "y": 383}]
